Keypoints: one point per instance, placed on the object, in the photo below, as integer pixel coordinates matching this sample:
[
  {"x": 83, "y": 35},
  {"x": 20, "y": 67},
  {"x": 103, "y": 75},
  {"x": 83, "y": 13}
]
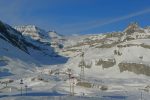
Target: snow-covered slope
[
  {"x": 110, "y": 53},
  {"x": 114, "y": 61},
  {"x": 14, "y": 53},
  {"x": 57, "y": 40},
  {"x": 43, "y": 42},
  {"x": 117, "y": 54},
  {"x": 38, "y": 34},
  {"x": 19, "y": 54}
]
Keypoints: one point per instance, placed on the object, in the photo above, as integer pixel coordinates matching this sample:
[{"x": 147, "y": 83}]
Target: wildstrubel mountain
[
  {"x": 45, "y": 49},
  {"x": 33, "y": 33}
]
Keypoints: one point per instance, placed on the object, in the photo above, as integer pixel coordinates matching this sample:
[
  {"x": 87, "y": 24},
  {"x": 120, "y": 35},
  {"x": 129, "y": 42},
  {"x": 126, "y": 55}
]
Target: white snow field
[{"x": 36, "y": 65}]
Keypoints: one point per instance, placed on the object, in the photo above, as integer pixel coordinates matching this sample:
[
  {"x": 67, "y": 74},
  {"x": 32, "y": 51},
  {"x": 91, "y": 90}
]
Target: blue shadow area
[
  {"x": 40, "y": 94},
  {"x": 116, "y": 97},
  {"x": 4, "y": 74},
  {"x": 35, "y": 94},
  {"x": 1, "y": 96},
  {"x": 2, "y": 63},
  {"x": 55, "y": 60}
]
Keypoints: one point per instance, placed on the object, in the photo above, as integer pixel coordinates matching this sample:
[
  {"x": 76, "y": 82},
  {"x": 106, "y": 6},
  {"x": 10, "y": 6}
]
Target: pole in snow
[
  {"x": 21, "y": 83},
  {"x": 141, "y": 95},
  {"x": 70, "y": 81},
  {"x": 26, "y": 87},
  {"x": 72, "y": 85}
]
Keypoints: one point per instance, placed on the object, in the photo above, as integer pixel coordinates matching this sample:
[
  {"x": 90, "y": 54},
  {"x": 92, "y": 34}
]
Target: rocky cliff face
[
  {"x": 33, "y": 32},
  {"x": 12, "y": 36},
  {"x": 132, "y": 28}
]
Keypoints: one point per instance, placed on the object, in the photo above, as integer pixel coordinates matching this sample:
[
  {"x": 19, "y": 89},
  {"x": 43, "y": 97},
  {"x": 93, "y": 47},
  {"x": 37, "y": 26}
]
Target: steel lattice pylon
[{"x": 82, "y": 65}]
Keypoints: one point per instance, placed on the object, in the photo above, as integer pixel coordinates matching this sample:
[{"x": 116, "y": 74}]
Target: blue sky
[{"x": 76, "y": 16}]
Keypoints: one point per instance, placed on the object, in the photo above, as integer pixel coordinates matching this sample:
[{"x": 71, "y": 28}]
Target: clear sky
[{"x": 76, "y": 16}]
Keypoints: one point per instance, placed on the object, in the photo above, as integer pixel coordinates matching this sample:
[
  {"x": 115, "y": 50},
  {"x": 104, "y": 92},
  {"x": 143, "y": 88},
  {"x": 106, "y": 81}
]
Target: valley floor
[{"x": 57, "y": 89}]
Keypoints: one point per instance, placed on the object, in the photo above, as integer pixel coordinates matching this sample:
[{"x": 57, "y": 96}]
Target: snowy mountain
[
  {"x": 116, "y": 54},
  {"x": 14, "y": 53},
  {"x": 49, "y": 62},
  {"x": 25, "y": 53},
  {"x": 111, "y": 53},
  {"x": 32, "y": 31},
  {"x": 57, "y": 40},
  {"x": 43, "y": 41}
]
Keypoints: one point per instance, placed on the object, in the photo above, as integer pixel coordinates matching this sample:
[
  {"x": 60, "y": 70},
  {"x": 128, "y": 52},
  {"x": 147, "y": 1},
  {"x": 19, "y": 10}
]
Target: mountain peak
[
  {"x": 33, "y": 31},
  {"x": 53, "y": 34},
  {"x": 133, "y": 27},
  {"x": 27, "y": 27}
]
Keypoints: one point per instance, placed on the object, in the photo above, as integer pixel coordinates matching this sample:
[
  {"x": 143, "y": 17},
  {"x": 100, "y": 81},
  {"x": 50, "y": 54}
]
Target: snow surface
[{"x": 45, "y": 71}]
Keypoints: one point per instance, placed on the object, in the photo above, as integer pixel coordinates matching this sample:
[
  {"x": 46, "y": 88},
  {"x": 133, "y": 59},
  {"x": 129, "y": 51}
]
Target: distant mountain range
[{"x": 116, "y": 54}]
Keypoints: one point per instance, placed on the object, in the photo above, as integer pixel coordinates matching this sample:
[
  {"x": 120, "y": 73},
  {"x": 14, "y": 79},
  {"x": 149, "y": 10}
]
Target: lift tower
[{"x": 82, "y": 66}]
